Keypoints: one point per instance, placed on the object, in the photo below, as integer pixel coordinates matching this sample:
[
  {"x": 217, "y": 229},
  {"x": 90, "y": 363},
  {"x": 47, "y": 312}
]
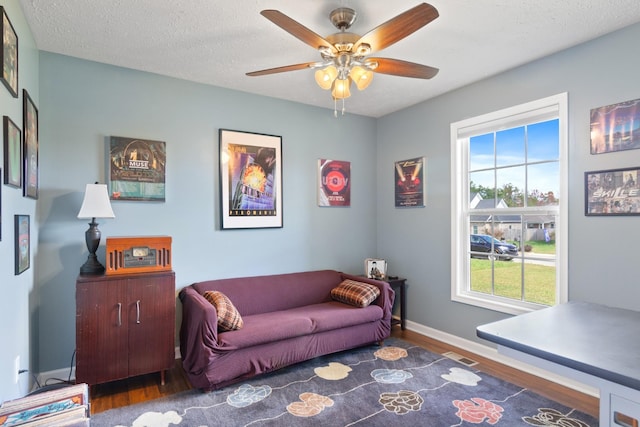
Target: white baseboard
[{"x": 492, "y": 354}]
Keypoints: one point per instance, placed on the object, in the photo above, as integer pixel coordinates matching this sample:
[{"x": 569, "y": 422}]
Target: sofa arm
[
  {"x": 198, "y": 331},
  {"x": 387, "y": 295}
]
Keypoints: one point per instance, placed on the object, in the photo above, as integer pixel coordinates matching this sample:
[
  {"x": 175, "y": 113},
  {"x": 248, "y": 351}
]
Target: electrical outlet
[{"x": 16, "y": 369}]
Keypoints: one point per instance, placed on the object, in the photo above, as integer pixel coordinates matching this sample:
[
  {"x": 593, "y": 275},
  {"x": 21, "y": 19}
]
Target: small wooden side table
[{"x": 399, "y": 285}]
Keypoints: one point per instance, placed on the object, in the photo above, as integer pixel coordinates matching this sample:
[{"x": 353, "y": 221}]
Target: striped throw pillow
[
  {"x": 355, "y": 293},
  {"x": 229, "y": 318}
]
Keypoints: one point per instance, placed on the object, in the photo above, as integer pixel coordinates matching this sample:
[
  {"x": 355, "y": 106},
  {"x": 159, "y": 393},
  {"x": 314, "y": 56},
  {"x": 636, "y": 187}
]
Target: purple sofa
[{"x": 288, "y": 318}]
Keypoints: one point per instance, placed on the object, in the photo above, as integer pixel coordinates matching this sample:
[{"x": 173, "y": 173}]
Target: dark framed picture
[
  {"x": 9, "y": 53},
  {"x": 410, "y": 183},
  {"x": 250, "y": 180},
  {"x": 12, "y": 153},
  {"x": 30, "y": 146},
  {"x": 23, "y": 243},
  {"x": 615, "y": 127},
  {"x": 334, "y": 183},
  {"x": 612, "y": 192},
  {"x": 137, "y": 169}
]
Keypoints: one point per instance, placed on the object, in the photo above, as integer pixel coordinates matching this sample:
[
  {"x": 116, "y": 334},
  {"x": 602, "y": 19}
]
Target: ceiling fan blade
[
  {"x": 282, "y": 69},
  {"x": 398, "y": 28},
  {"x": 297, "y": 29},
  {"x": 397, "y": 67}
]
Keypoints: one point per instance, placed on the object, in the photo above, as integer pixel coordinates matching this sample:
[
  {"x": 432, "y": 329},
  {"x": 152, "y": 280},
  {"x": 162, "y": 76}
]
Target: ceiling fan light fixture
[
  {"x": 341, "y": 88},
  {"x": 326, "y": 76},
  {"x": 362, "y": 77}
]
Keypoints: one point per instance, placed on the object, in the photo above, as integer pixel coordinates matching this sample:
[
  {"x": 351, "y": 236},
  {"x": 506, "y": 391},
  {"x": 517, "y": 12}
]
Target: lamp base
[
  {"x": 92, "y": 238},
  {"x": 92, "y": 266}
]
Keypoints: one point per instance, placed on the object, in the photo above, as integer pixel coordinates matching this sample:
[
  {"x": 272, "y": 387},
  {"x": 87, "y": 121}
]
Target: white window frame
[{"x": 549, "y": 108}]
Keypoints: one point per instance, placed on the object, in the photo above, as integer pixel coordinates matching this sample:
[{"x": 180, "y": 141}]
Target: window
[{"x": 509, "y": 207}]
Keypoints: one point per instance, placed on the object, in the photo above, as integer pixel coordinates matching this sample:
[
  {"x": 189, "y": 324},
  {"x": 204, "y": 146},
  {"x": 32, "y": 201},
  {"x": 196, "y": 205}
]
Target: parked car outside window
[{"x": 492, "y": 248}]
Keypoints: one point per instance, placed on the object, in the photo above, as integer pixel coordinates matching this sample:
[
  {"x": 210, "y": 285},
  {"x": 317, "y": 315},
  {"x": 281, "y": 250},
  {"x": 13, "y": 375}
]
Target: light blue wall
[
  {"x": 83, "y": 103},
  {"x": 416, "y": 242},
  {"x": 17, "y": 293}
]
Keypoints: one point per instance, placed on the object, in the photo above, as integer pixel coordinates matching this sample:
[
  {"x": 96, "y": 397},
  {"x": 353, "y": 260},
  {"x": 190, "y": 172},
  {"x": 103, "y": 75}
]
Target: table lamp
[{"x": 96, "y": 204}]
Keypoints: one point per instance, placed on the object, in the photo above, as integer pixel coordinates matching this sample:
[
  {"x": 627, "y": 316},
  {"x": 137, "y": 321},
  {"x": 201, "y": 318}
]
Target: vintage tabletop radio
[{"x": 139, "y": 254}]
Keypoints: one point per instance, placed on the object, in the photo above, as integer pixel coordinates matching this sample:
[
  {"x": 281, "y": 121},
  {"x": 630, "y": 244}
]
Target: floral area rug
[{"x": 398, "y": 384}]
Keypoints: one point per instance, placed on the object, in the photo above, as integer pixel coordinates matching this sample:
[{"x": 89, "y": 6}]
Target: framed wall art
[
  {"x": 137, "y": 169},
  {"x": 12, "y": 153},
  {"x": 615, "y": 127},
  {"x": 250, "y": 180},
  {"x": 30, "y": 146},
  {"x": 22, "y": 243},
  {"x": 9, "y": 54},
  {"x": 334, "y": 183},
  {"x": 410, "y": 183},
  {"x": 612, "y": 192}
]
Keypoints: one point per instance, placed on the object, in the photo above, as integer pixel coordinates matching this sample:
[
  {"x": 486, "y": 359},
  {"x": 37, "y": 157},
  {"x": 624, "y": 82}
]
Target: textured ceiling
[{"x": 217, "y": 41}]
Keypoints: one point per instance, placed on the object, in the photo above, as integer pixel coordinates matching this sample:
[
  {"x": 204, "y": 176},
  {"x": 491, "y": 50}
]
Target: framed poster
[
  {"x": 410, "y": 184},
  {"x": 22, "y": 243},
  {"x": 250, "y": 180},
  {"x": 615, "y": 127},
  {"x": 12, "y": 154},
  {"x": 137, "y": 169},
  {"x": 30, "y": 146},
  {"x": 612, "y": 192},
  {"x": 9, "y": 54},
  {"x": 334, "y": 183}
]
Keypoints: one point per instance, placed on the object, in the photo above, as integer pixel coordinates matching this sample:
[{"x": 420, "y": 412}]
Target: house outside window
[{"x": 509, "y": 207}]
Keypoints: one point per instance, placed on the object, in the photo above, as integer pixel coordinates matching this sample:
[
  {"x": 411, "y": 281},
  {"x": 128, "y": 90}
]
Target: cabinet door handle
[
  {"x": 138, "y": 311},
  {"x": 119, "y": 314}
]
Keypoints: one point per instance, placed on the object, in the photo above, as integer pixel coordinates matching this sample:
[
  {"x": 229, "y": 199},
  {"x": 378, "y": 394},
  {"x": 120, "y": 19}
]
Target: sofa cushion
[
  {"x": 282, "y": 325},
  {"x": 355, "y": 293},
  {"x": 229, "y": 318}
]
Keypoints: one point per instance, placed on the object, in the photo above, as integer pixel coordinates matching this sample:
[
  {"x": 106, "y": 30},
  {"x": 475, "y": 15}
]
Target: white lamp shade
[{"x": 96, "y": 202}]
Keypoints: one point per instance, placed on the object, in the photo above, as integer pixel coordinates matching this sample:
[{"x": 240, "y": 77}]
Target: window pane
[
  {"x": 508, "y": 280},
  {"x": 540, "y": 282},
  {"x": 481, "y": 153},
  {"x": 543, "y": 184},
  {"x": 481, "y": 185},
  {"x": 540, "y": 236},
  {"x": 510, "y": 147},
  {"x": 510, "y": 183},
  {"x": 481, "y": 276},
  {"x": 543, "y": 141}
]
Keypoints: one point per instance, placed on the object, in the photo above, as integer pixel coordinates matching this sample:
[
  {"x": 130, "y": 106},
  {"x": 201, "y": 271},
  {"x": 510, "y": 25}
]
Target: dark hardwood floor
[{"x": 147, "y": 387}]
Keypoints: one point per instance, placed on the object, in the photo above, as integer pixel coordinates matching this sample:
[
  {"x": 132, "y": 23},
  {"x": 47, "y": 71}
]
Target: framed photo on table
[
  {"x": 9, "y": 54},
  {"x": 30, "y": 146},
  {"x": 250, "y": 180},
  {"x": 375, "y": 268},
  {"x": 12, "y": 153}
]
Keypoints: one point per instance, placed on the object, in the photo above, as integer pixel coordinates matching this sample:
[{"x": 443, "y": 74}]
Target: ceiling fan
[{"x": 345, "y": 55}]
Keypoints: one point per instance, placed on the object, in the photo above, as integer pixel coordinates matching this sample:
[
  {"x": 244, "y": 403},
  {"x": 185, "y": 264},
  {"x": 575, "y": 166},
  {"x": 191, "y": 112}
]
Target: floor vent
[{"x": 459, "y": 358}]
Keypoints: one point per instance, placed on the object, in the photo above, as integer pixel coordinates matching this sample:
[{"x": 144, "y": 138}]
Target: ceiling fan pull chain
[{"x": 343, "y": 109}]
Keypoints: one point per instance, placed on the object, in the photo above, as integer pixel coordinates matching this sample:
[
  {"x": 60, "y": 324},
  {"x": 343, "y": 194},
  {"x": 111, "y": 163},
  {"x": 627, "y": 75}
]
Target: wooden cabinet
[{"x": 125, "y": 326}]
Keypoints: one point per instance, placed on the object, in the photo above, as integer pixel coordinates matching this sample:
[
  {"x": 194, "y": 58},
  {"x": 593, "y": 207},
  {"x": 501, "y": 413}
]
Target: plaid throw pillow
[
  {"x": 355, "y": 293},
  {"x": 228, "y": 317}
]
